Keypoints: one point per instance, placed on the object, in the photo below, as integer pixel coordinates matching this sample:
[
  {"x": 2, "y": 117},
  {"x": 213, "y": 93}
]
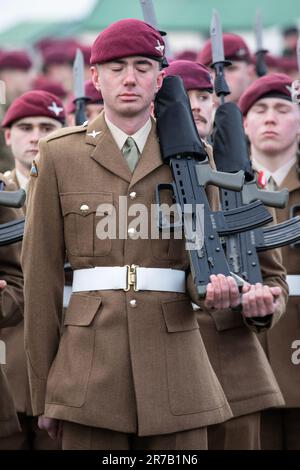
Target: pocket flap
[
  {"x": 84, "y": 203},
  {"x": 179, "y": 315},
  {"x": 82, "y": 309}
]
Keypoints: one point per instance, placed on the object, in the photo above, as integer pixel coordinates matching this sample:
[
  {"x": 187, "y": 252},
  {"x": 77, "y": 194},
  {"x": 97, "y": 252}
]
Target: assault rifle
[{"x": 184, "y": 152}]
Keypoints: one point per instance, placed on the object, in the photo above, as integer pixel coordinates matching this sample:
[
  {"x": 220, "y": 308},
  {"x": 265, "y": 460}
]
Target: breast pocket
[{"x": 82, "y": 213}]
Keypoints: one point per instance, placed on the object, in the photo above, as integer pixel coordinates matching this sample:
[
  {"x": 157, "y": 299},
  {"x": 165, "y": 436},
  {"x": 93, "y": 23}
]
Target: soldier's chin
[{"x": 129, "y": 110}]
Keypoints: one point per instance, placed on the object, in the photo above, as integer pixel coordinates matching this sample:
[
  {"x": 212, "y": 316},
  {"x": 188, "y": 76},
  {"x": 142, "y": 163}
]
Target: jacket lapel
[
  {"x": 291, "y": 181},
  {"x": 105, "y": 151},
  {"x": 150, "y": 158}
]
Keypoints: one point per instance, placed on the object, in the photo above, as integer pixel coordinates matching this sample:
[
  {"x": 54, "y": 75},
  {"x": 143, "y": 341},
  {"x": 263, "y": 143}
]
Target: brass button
[
  {"x": 131, "y": 232},
  {"x": 84, "y": 208},
  {"x": 133, "y": 303},
  {"x": 132, "y": 195}
]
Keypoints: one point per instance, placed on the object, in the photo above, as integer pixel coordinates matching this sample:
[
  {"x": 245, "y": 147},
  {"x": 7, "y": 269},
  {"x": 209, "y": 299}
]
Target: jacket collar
[{"x": 106, "y": 152}]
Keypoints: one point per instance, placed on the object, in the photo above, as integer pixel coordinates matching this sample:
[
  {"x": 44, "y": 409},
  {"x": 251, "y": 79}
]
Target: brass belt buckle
[{"x": 131, "y": 277}]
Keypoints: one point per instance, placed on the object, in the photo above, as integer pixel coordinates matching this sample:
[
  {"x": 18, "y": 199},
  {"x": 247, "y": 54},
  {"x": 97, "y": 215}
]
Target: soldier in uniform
[
  {"x": 233, "y": 349},
  {"x": 241, "y": 72},
  {"x": 11, "y": 312},
  {"x": 272, "y": 123},
  {"x": 127, "y": 369},
  {"x": 32, "y": 116}
]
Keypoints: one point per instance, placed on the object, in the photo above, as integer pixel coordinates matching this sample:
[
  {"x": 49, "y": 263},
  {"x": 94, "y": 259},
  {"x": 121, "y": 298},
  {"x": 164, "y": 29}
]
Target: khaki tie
[
  {"x": 272, "y": 186},
  {"x": 131, "y": 153}
]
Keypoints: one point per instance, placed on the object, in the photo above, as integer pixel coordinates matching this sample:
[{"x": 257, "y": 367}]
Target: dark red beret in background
[
  {"x": 94, "y": 97},
  {"x": 274, "y": 84},
  {"x": 235, "y": 48},
  {"x": 195, "y": 76},
  {"x": 34, "y": 103},
  {"x": 127, "y": 38},
  {"x": 42, "y": 83},
  {"x": 58, "y": 55},
  {"x": 186, "y": 55},
  {"x": 19, "y": 60}
]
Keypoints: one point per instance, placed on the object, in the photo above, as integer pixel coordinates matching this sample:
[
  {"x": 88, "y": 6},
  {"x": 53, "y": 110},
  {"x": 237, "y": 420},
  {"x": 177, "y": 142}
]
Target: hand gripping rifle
[
  {"x": 231, "y": 155},
  {"x": 183, "y": 151},
  {"x": 12, "y": 232}
]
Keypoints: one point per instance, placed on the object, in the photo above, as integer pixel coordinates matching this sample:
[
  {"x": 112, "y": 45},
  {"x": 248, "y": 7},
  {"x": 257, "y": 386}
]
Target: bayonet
[
  {"x": 218, "y": 63},
  {"x": 261, "y": 68},
  {"x": 79, "y": 93},
  {"x": 150, "y": 17}
]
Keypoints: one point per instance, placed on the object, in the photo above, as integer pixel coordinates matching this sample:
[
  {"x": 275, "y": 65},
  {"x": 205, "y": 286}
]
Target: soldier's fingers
[
  {"x": 217, "y": 291},
  {"x": 268, "y": 300},
  {"x": 209, "y": 297},
  {"x": 225, "y": 290},
  {"x": 276, "y": 291},
  {"x": 260, "y": 305},
  {"x": 249, "y": 303},
  {"x": 234, "y": 294}
]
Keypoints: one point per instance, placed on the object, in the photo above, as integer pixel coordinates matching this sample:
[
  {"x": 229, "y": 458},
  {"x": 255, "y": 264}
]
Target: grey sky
[{"x": 14, "y": 11}]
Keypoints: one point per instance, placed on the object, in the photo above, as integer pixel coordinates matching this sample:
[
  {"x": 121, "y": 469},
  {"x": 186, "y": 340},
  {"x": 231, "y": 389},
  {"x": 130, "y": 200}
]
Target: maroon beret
[
  {"x": 272, "y": 85},
  {"x": 15, "y": 60},
  {"x": 235, "y": 48},
  {"x": 34, "y": 103},
  {"x": 195, "y": 76},
  {"x": 126, "y": 38},
  {"x": 43, "y": 83},
  {"x": 93, "y": 97},
  {"x": 58, "y": 55},
  {"x": 186, "y": 55}
]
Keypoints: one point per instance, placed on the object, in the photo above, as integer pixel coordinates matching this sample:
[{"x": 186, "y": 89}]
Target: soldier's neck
[
  {"x": 274, "y": 161},
  {"x": 129, "y": 125},
  {"x": 22, "y": 169}
]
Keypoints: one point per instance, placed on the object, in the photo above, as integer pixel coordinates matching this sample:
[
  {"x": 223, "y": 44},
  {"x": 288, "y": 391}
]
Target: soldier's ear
[
  {"x": 160, "y": 79},
  {"x": 245, "y": 123},
  {"x": 95, "y": 77},
  {"x": 7, "y": 134}
]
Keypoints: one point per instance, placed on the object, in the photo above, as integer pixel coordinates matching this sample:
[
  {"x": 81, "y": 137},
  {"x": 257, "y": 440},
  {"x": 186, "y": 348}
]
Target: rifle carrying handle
[
  {"x": 277, "y": 199},
  {"x": 12, "y": 198}
]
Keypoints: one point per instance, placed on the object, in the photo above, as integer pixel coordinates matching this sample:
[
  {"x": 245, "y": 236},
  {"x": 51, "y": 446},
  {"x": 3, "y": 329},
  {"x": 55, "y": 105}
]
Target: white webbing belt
[
  {"x": 116, "y": 277},
  {"x": 293, "y": 281}
]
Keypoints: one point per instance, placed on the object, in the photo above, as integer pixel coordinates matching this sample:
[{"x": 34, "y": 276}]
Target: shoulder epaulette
[{"x": 65, "y": 131}]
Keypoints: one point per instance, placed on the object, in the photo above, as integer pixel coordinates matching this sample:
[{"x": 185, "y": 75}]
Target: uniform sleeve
[
  {"x": 43, "y": 255},
  {"x": 11, "y": 298}
]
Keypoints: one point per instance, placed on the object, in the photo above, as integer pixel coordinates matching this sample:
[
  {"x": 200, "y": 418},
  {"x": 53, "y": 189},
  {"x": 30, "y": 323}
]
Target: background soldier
[
  {"x": 233, "y": 349},
  {"x": 30, "y": 117},
  {"x": 272, "y": 123},
  {"x": 11, "y": 312}
]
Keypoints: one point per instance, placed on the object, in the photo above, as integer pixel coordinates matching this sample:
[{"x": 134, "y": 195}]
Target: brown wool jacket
[
  {"x": 278, "y": 341},
  {"x": 138, "y": 370}
]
